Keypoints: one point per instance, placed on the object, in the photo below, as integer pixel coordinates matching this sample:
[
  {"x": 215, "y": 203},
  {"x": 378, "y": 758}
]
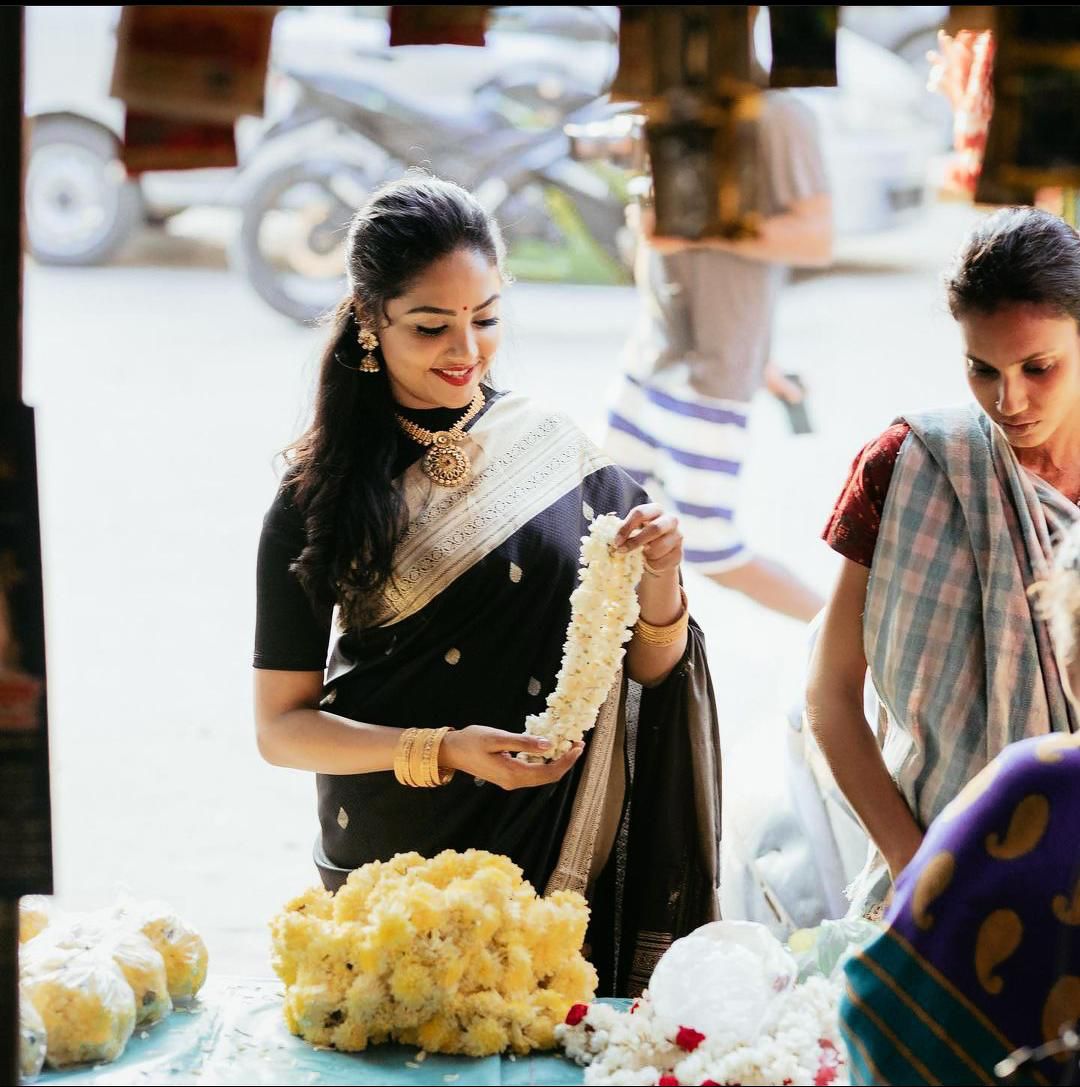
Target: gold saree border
[
  {"x": 579, "y": 859},
  {"x": 544, "y": 457}
]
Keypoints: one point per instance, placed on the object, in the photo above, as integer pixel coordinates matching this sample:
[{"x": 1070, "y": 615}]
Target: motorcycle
[{"x": 343, "y": 136}]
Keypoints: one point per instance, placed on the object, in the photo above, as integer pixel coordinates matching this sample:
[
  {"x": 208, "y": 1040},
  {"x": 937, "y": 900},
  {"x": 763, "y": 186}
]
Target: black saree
[{"x": 471, "y": 632}]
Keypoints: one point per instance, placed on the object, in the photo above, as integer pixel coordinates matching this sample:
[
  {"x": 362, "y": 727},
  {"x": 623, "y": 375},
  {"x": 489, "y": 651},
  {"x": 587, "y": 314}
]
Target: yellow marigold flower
[
  {"x": 366, "y": 995},
  {"x": 450, "y": 971},
  {"x": 368, "y": 956},
  {"x": 436, "y": 1033},
  {"x": 488, "y": 920},
  {"x": 485, "y": 1005},
  {"x": 393, "y": 931},
  {"x": 455, "y": 954},
  {"x": 351, "y": 1036},
  {"x": 575, "y": 977},
  {"x": 484, "y": 1037},
  {"x": 403, "y": 863},
  {"x": 314, "y": 902},
  {"x": 427, "y": 907},
  {"x": 518, "y": 977},
  {"x": 412, "y": 985},
  {"x": 485, "y": 971}
]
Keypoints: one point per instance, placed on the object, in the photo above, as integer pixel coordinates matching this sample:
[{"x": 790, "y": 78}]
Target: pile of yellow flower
[{"x": 454, "y": 955}]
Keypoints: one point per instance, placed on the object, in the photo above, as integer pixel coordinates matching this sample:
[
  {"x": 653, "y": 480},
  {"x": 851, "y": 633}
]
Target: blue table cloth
[{"x": 234, "y": 1033}]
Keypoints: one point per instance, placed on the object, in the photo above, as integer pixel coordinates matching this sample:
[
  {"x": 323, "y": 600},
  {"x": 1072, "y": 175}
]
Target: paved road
[{"x": 164, "y": 388}]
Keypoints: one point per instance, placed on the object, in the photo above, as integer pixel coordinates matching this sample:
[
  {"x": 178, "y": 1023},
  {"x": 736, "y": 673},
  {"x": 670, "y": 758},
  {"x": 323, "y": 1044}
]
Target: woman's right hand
[{"x": 488, "y": 754}]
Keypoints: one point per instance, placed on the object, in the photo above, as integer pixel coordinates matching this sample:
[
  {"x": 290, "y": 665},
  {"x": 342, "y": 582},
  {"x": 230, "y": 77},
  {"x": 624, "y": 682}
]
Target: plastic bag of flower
[
  {"x": 35, "y": 915},
  {"x": 139, "y": 961},
  {"x": 180, "y": 946},
  {"x": 86, "y": 1005}
]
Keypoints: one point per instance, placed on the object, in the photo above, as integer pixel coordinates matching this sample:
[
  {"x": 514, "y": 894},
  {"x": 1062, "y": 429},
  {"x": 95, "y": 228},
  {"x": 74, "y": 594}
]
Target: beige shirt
[{"x": 710, "y": 313}]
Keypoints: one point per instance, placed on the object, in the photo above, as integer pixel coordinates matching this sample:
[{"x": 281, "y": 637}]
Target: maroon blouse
[{"x": 852, "y": 529}]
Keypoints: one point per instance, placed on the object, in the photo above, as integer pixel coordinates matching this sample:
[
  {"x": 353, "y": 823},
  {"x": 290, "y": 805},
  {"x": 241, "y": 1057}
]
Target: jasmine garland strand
[{"x": 604, "y": 608}]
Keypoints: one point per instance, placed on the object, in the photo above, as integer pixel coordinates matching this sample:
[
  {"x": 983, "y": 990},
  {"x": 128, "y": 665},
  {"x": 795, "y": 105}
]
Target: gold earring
[{"x": 369, "y": 364}]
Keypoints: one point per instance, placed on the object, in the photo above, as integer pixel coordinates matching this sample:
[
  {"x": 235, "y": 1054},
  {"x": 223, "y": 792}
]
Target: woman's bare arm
[
  {"x": 661, "y": 604},
  {"x": 834, "y": 709},
  {"x": 292, "y": 731},
  {"x": 657, "y": 535}
]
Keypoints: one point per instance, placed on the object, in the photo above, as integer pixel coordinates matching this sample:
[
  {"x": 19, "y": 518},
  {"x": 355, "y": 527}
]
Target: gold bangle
[
  {"x": 665, "y": 636},
  {"x": 401, "y": 757},
  {"x": 427, "y": 779},
  {"x": 397, "y": 757},
  {"x": 439, "y": 775},
  {"x": 402, "y": 754},
  {"x": 416, "y": 759}
]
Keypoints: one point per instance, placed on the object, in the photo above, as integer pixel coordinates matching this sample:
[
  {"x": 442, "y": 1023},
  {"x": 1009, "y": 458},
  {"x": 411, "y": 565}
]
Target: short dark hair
[{"x": 1017, "y": 254}]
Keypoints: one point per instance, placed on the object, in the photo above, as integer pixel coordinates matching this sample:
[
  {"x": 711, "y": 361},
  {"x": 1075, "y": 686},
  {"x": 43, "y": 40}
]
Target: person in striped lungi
[
  {"x": 699, "y": 351},
  {"x": 946, "y": 522}
]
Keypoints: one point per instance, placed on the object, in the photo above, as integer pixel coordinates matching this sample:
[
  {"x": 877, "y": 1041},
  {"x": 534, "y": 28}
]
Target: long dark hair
[
  {"x": 1017, "y": 254},
  {"x": 341, "y": 468}
]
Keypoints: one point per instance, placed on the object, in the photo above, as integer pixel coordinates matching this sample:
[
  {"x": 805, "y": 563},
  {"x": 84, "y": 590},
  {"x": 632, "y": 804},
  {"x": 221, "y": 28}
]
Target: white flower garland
[
  {"x": 799, "y": 1043},
  {"x": 604, "y": 608}
]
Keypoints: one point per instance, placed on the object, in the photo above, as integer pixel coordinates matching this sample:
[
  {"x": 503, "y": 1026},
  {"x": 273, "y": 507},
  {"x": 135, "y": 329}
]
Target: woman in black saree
[{"x": 427, "y": 533}]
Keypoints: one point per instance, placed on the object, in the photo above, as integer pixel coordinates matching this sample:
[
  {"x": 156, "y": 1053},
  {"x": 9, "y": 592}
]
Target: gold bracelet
[
  {"x": 416, "y": 759},
  {"x": 665, "y": 636},
  {"x": 402, "y": 754},
  {"x": 438, "y": 775},
  {"x": 430, "y": 775},
  {"x": 430, "y": 772}
]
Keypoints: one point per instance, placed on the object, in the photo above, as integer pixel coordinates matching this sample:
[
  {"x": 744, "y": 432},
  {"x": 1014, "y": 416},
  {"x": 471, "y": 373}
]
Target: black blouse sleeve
[{"x": 290, "y": 633}]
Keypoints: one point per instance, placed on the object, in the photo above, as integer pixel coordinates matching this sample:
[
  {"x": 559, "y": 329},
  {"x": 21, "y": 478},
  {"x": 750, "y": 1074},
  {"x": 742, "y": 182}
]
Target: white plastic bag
[
  {"x": 181, "y": 947},
  {"x": 822, "y": 951},
  {"x": 721, "y": 980},
  {"x": 35, "y": 915},
  {"x": 87, "y": 1006}
]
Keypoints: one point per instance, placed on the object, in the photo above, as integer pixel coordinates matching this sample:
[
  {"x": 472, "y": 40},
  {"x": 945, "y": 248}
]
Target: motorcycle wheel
[
  {"x": 292, "y": 242},
  {"x": 80, "y": 205}
]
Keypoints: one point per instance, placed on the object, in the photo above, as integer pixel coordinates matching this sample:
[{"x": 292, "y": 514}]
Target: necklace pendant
[{"x": 445, "y": 464}]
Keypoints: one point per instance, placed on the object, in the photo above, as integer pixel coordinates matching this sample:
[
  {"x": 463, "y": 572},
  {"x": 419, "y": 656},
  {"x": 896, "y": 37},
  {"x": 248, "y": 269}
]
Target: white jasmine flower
[{"x": 604, "y": 608}]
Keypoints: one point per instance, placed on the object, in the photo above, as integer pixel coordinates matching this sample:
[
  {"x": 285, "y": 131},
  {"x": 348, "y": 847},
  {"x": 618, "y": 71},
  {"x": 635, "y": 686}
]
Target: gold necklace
[{"x": 444, "y": 463}]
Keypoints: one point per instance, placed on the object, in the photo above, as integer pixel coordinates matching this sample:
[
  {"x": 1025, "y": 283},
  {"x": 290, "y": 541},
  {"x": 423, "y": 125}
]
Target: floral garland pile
[
  {"x": 799, "y": 1043},
  {"x": 604, "y": 608},
  {"x": 456, "y": 954}
]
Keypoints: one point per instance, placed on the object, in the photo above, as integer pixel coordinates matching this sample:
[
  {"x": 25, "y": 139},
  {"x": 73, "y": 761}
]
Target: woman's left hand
[{"x": 656, "y": 533}]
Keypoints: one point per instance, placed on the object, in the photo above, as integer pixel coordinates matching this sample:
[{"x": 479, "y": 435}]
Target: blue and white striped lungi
[{"x": 686, "y": 449}]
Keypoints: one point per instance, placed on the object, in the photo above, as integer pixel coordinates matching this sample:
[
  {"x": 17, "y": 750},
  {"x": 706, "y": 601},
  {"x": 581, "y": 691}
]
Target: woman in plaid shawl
[
  {"x": 945, "y": 523},
  {"x": 979, "y": 962}
]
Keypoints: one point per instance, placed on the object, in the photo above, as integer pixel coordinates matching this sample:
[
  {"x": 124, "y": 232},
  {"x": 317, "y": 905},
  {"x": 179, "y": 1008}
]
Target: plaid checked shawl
[{"x": 960, "y": 661}]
